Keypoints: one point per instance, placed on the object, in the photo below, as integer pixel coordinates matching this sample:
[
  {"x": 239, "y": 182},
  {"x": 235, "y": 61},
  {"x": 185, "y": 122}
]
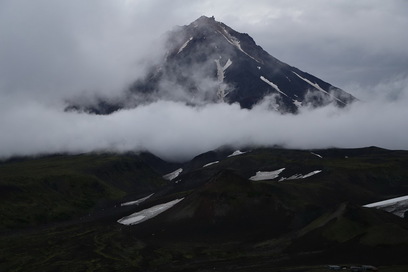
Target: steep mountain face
[
  {"x": 208, "y": 62},
  {"x": 216, "y": 63}
]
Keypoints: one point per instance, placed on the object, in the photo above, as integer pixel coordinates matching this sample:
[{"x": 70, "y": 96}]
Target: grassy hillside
[
  {"x": 61, "y": 187},
  {"x": 225, "y": 222}
]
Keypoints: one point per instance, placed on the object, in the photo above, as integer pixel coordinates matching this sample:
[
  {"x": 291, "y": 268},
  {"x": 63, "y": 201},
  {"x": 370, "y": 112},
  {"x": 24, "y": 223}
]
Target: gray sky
[{"x": 53, "y": 50}]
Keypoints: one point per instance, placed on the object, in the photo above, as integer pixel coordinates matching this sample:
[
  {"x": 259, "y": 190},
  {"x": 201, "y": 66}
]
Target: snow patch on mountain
[
  {"x": 139, "y": 217},
  {"x": 300, "y": 176},
  {"x": 234, "y": 41},
  {"x": 386, "y": 202},
  {"x": 211, "y": 163},
  {"x": 397, "y": 206},
  {"x": 221, "y": 94},
  {"x": 312, "y": 173},
  {"x": 297, "y": 103},
  {"x": 236, "y": 153},
  {"x": 264, "y": 175},
  {"x": 173, "y": 175},
  {"x": 272, "y": 85},
  {"x": 136, "y": 202},
  {"x": 184, "y": 45},
  {"x": 317, "y": 155},
  {"x": 316, "y": 86}
]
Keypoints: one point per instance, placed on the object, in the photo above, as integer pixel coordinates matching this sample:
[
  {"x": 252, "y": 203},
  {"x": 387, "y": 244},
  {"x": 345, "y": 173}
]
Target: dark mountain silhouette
[{"x": 209, "y": 62}]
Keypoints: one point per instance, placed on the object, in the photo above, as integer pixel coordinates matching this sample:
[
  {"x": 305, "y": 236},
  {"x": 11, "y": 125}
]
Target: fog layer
[{"x": 175, "y": 131}]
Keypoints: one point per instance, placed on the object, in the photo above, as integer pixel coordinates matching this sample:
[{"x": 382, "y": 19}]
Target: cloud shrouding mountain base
[{"x": 175, "y": 131}]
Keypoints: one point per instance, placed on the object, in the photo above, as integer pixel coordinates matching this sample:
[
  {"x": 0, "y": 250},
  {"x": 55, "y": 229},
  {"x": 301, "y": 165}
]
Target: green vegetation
[
  {"x": 52, "y": 219},
  {"x": 58, "y": 188}
]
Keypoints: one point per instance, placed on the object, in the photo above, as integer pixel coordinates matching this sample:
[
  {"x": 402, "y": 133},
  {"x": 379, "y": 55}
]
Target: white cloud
[
  {"x": 58, "y": 49},
  {"x": 175, "y": 131}
]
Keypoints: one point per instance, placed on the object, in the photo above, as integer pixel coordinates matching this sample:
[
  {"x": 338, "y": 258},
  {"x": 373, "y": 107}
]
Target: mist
[{"x": 177, "y": 132}]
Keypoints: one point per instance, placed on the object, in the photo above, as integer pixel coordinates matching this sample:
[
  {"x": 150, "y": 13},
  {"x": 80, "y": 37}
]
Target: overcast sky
[{"x": 54, "y": 50}]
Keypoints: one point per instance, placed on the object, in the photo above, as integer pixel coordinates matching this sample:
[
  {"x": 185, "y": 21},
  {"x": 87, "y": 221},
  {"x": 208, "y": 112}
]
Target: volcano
[{"x": 209, "y": 62}]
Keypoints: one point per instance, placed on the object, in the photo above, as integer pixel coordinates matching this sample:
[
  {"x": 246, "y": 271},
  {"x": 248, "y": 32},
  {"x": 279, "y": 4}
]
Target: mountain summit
[{"x": 209, "y": 62}]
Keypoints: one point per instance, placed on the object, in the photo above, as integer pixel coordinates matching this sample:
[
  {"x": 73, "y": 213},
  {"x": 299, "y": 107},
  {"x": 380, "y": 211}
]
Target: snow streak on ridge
[
  {"x": 184, "y": 45},
  {"x": 234, "y": 41},
  {"x": 272, "y": 85},
  {"x": 315, "y": 85},
  {"x": 221, "y": 94},
  {"x": 136, "y": 202}
]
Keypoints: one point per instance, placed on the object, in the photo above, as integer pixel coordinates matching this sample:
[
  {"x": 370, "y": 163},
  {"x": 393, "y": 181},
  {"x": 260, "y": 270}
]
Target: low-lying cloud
[{"x": 176, "y": 131}]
